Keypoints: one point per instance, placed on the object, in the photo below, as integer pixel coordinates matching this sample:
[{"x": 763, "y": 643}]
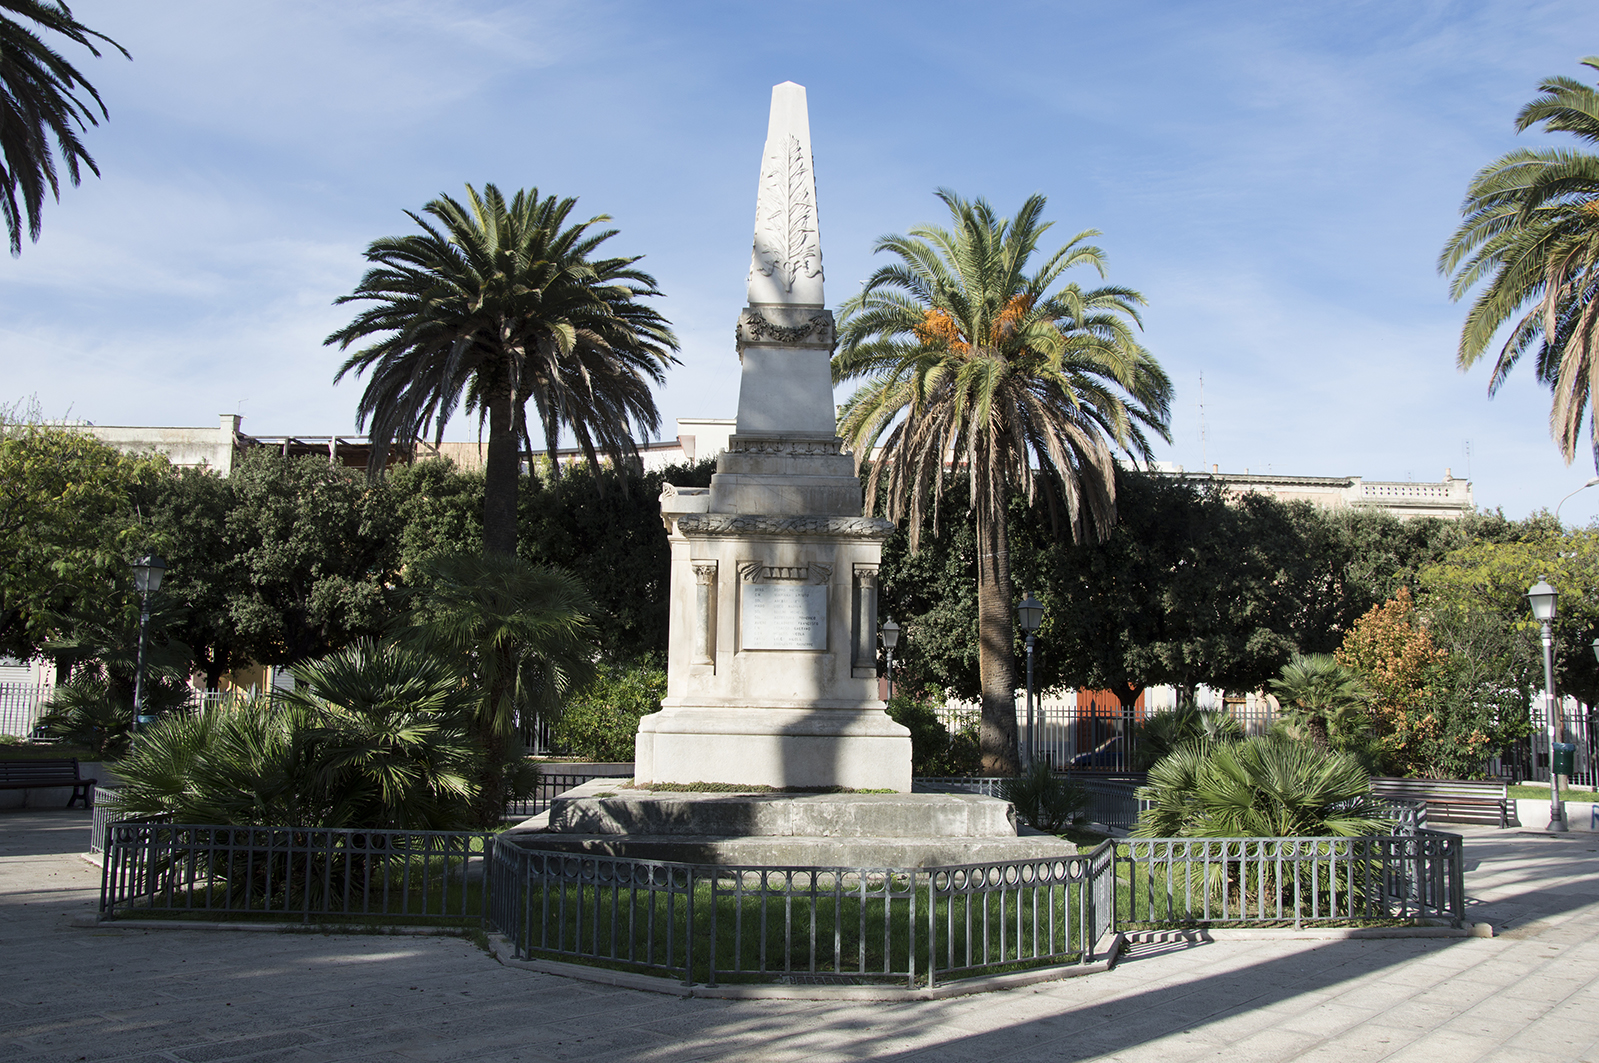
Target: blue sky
[{"x": 1276, "y": 178}]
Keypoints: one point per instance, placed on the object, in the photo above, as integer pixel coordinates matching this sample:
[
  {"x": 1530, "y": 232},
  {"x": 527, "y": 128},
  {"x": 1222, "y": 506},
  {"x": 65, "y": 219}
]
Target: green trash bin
[{"x": 1565, "y": 755}]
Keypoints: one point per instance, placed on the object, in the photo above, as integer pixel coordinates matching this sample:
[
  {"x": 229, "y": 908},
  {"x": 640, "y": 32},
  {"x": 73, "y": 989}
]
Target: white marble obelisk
[{"x": 772, "y": 670}]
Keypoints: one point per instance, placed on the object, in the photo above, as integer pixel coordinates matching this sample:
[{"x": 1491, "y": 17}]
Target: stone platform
[{"x": 784, "y": 829}]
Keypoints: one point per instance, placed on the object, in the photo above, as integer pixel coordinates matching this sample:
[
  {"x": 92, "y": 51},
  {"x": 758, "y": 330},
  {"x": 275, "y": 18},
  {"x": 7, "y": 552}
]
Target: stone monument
[
  {"x": 772, "y": 665},
  {"x": 772, "y": 674}
]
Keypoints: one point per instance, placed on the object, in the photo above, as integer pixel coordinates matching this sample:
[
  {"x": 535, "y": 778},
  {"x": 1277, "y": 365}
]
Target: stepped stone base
[{"x": 603, "y": 818}]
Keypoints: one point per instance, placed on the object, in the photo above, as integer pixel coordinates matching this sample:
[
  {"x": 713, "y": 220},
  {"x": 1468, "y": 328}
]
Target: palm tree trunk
[
  {"x": 500, "y": 474},
  {"x": 996, "y": 664}
]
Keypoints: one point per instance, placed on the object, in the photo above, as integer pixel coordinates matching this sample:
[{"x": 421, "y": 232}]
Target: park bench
[
  {"x": 1451, "y": 800},
  {"x": 48, "y": 775}
]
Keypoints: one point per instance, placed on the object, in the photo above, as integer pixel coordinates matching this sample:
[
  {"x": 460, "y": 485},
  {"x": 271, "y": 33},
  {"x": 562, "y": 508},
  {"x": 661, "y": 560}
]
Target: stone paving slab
[{"x": 127, "y": 995}]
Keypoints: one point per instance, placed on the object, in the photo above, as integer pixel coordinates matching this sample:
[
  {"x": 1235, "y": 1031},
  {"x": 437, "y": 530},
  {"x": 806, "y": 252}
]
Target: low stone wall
[{"x": 1533, "y": 814}]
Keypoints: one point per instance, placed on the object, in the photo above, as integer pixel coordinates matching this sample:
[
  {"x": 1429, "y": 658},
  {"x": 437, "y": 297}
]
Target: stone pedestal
[{"x": 603, "y": 818}]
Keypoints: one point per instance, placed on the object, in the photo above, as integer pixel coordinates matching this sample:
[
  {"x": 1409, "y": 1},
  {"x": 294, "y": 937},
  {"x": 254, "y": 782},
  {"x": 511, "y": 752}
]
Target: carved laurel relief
[{"x": 786, "y": 241}]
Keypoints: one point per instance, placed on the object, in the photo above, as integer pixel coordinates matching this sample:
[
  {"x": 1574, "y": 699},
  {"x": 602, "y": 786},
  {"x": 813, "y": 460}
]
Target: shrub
[
  {"x": 934, "y": 750},
  {"x": 1163, "y": 734},
  {"x": 1257, "y": 788},
  {"x": 600, "y": 722},
  {"x": 1046, "y": 801},
  {"x": 375, "y": 737},
  {"x": 94, "y": 711}
]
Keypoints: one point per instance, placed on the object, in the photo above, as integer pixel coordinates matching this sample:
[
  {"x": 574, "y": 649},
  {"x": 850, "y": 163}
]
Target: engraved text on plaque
[{"x": 783, "y": 616}]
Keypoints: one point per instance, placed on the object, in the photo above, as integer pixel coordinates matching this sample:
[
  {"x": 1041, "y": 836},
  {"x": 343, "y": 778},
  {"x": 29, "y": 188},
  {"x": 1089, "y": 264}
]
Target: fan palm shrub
[
  {"x": 1044, "y": 800},
  {"x": 1324, "y": 697},
  {"x": 1158, "y": 736},
  {"x": 1258, "y": 788},
  {"x": 521, "y": 633},
  {"x": 978, "y": 364},
  {"x": 374, "y": 736}
]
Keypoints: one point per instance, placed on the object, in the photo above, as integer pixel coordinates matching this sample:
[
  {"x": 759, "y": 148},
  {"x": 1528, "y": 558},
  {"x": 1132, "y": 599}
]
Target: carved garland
[{"x": 762, "y": 329}]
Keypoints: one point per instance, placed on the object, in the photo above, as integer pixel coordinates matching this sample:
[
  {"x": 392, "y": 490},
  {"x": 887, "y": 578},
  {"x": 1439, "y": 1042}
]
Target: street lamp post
[
  {"x": 1579, "y": 490},
  {"x": 1030, "y": 611},
  {"x": 147, "y": 573},
  {"x": 1543, "y": 599},
  {"x": 890, "y": 640}
]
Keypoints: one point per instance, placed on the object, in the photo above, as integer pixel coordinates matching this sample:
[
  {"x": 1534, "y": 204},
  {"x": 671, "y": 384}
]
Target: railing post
[{"x": 688, "y": 932}]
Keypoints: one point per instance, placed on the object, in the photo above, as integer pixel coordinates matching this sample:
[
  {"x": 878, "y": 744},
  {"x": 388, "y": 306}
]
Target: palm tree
[
  {"x": 501, "y": 304},
  {"x": 1321, "y": 694},
  {"x": 522, "y": 634},
  {"x": 974, "y": 366},
  {"x": 1531, "y": 230},
  {"x": 41, "y": 98}
]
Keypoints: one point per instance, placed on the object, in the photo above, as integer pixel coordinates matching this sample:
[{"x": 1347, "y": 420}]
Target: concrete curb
[
  {"x": 1111, "y": 949},
  {"x": 1326, "y": 933},
  {"x": 94, "y": 920}
]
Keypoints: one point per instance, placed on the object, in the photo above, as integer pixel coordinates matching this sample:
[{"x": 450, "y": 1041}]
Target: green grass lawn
[
  {"x": 1533, "y": 791},
  {"x": 760, "y": 935}
]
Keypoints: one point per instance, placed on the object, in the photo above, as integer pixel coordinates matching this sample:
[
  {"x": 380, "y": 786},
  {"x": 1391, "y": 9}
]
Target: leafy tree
[
  {"x": 502, "y": 304},
  {"x": 1476, "y": 605},
  {"x": 979, "y": 370},
  {"x": 1257, "y": 788},
  {"x": 314, "y": 556},
  {"x": 43, "y": 97},
  {"x": 1531, "y": 232},
  {"x": 1191, "y": 587},
  {"x": 521, "y": 633},
  {"x": 187, "y": 515},
  {"x": 607, "y": 532},
  {"x": 67, "y": 530},
  {"x": 1428, "y": 718}
]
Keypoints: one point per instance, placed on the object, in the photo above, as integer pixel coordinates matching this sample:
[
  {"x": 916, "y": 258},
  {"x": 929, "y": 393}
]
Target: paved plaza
[{"x": 104, "y": 993}]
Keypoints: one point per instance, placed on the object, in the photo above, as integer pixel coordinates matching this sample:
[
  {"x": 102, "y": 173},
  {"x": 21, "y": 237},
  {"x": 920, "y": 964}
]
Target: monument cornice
[{"x": 740, "y": 524}]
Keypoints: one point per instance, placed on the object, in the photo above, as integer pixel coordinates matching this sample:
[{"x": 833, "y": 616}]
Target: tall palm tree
[
  {"x": 975, "y": 367},
  {"x": 42, "y": 97},
  {"x": 1531, "y": 230},
  {"x": 501, "y": 304}
]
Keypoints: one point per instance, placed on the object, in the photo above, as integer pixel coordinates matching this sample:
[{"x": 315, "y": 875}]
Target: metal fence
[
  {"x": 1182, "y": 881},
  {"x": 308, "y": 874},
  {"x": 20, "y": 707},
  {"x": 553, "y": 784},
  {"x": 842, "y": 925},
  {"x": 1113, "y": 801},
  {"x": 1086, "y": 730},
  {"x": 818, "y": 925}
]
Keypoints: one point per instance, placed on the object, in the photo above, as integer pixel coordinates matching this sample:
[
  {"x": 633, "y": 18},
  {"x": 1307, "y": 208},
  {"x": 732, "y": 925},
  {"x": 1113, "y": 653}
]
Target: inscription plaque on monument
[{"x": 783, "y": 616}]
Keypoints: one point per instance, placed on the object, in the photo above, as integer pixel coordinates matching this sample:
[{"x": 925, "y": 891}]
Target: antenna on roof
[{"x": 1204, "y": 458}]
